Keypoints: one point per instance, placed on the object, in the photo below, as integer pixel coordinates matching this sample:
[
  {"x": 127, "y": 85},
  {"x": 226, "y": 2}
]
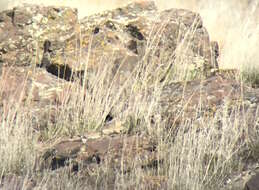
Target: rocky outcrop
[
  {"x": 124, "y": 44},
  {"x": 115, "y": 144},
  {"x": 124, "y": 33},
  {"x": 136, "y": 53},
  {"x": 139, "y": 32},
  {"x": 23, "y": 31}
]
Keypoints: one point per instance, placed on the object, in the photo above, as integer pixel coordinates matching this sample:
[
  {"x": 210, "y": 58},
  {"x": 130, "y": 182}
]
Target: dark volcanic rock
[
  {"x": 139, "y": 32},
  {"x": 92, "y": 152},
  {"x": 189, "y": 101},
  {"x": 120, "y": 37},
  {"x": 128, "y": 61},
  {"x": 253, "y": 183},
  {"x": 125, "y": 44}
]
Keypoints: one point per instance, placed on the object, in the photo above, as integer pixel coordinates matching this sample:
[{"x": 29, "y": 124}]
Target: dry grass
[{"x": 201, "y": 157}]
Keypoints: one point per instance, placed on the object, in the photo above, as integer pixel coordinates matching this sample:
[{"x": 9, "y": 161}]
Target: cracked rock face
[
  {"x": 117, "y": 41},
  {"x": 123, "y": 32}
]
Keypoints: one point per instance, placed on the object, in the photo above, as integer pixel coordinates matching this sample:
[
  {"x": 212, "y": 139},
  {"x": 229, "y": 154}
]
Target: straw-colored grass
[{"x": 201, "y": 155}]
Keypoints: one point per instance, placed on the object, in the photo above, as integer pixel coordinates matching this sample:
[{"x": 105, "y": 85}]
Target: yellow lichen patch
[{"x": 58, "y": 60}]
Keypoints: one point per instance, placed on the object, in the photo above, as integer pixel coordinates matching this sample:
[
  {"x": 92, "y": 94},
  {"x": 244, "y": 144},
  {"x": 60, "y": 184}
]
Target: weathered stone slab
[
  {"x": 117, "y": 149},
  {"x": 34, "y": 91}
]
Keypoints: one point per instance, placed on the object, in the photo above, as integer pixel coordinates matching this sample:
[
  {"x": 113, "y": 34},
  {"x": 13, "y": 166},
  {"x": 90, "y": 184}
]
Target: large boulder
[
  {"x": 178, "y": 102},
  {"x": 124, "y": 44},
  {"x": 121, "y": 37},
  {"x": 35, "y": 92},
  {"x": 116, "y": 44},
  {"x": 127, "y": 37},
  {"x": 23, "y": 31}
]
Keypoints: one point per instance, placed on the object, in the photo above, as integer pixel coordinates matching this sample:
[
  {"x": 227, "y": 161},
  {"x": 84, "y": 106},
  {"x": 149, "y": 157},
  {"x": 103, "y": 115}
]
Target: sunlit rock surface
[{"x": 137, "y": 52}]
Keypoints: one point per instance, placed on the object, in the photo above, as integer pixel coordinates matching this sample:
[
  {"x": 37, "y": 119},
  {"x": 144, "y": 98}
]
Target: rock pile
[{"x": 44, "y": 51}]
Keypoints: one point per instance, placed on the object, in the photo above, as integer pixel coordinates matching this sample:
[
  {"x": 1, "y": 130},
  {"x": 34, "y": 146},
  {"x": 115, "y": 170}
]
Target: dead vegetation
[{"x": 200, "y": 153}]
